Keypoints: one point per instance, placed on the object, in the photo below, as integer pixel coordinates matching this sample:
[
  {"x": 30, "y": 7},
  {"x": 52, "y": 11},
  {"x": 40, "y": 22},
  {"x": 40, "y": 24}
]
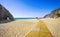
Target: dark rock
[
  {"x": 53, "y": 14},
  {"x": 5, "y": 15}
]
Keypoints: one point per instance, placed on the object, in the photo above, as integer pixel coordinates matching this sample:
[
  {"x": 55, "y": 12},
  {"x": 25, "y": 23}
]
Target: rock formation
[
  {"x": 5, "y": 15},
  {"x": 53, "y": 14}
]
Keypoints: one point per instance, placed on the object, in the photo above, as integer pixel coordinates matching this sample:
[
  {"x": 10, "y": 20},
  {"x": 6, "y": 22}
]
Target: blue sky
[{"x": 30, "y": 8}]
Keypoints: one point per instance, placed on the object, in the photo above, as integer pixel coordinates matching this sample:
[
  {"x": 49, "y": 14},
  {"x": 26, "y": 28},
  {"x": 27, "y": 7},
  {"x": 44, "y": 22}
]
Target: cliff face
[
  {"x": 5, "y": 15},
  {"x": 53, "y": 14}
]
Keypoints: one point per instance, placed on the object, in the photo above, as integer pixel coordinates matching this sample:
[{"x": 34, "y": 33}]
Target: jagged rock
[
  {"x": 5, "y": 15},
  {"x": 53, "y": 14}
]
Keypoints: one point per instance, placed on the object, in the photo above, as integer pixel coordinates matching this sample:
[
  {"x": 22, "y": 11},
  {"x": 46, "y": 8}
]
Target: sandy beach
[{"x": 47, "y": 27}]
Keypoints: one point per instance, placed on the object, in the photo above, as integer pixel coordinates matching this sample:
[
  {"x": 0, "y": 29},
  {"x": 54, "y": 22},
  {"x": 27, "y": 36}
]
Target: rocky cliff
[
  {"x": 5, "y": 15},
  {"x": 53, "y": 14}
]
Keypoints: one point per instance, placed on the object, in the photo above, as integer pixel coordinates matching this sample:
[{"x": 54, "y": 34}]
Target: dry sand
[
  {"x": 16, "y": 28},
  {"x": 53, "y": 25},
  {"x": 40, "y": 30},
  {"x": 22, "y": 28}
]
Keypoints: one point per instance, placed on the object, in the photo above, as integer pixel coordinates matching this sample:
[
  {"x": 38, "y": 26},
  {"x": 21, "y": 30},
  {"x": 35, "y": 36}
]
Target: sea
[{"x": 23, "y": 18}]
